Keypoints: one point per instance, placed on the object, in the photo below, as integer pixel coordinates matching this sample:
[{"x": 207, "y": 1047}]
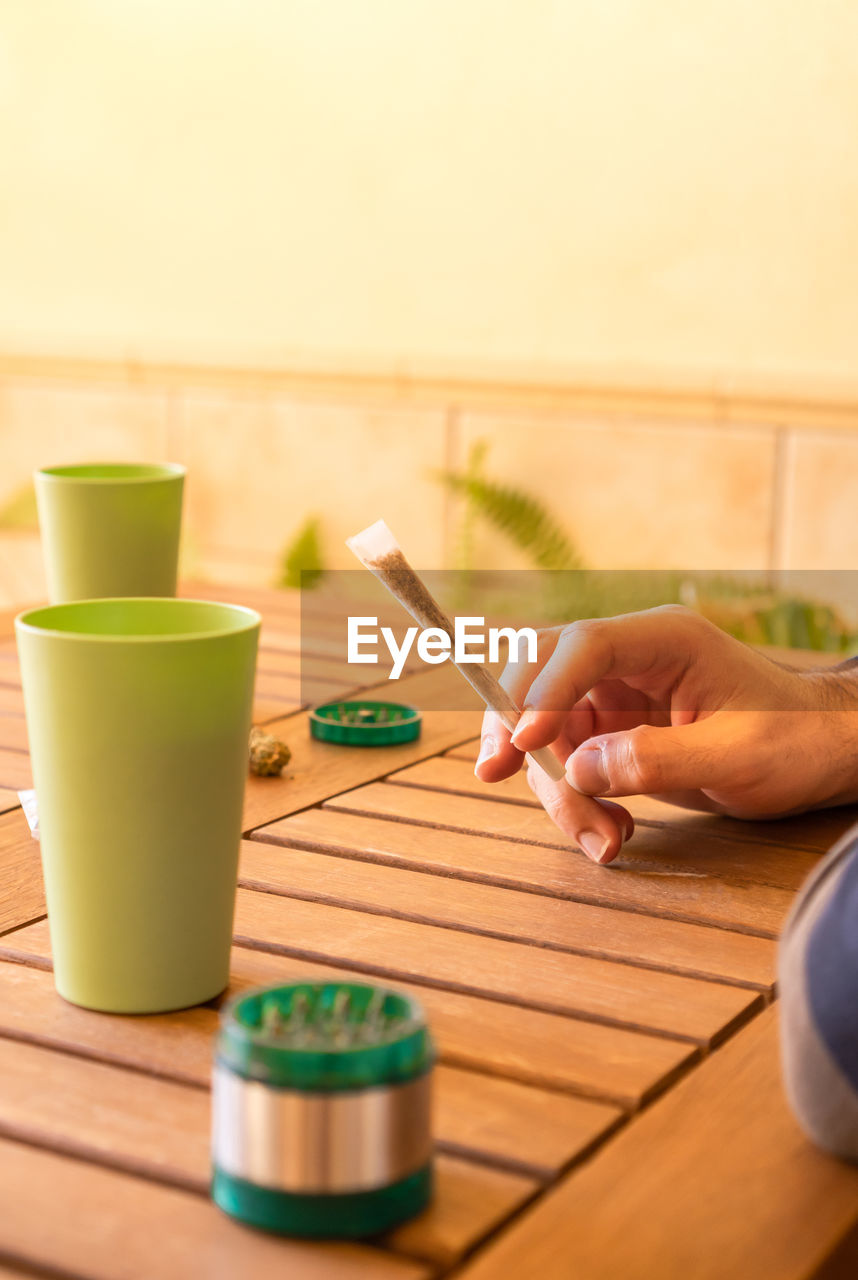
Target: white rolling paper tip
[{"x": 372, "y": 543}]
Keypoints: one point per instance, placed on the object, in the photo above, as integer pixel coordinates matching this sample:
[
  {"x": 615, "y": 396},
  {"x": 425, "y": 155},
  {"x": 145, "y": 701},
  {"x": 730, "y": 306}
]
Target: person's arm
[{"x": 818, "y": 984}]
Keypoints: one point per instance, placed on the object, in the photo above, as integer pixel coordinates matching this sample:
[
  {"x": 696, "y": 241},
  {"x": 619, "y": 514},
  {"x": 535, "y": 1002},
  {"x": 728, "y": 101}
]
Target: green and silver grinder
[{"x": 321, "y": 1111}]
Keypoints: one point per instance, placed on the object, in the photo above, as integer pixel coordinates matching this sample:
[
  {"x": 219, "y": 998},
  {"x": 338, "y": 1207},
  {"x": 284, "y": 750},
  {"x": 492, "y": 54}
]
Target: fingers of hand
[
  {"x": 597, "y": 828},
  {"x": 655, "y": 645},
  {"x": 498, "y": 758},
  {"x": 651, "y": 760},
  {"x": 518, "y": 676}
]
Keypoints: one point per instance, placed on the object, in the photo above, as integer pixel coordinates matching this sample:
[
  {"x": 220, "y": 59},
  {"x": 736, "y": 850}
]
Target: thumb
[{"x": 650, "y": 759}]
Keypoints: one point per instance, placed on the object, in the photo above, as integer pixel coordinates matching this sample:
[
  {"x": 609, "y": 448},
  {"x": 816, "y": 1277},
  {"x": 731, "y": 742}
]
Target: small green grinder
[{"x": 321, "y": 1110}]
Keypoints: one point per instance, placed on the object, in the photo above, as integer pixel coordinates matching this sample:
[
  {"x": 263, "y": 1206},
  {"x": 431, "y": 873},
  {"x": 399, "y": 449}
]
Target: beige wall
[
  {"x": 534, "y": 185},
  {"x": 607, "y": 216},
  {"x": 735, "y": 484}
]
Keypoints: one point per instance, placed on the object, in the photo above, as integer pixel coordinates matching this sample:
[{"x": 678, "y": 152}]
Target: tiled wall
[{"x": 633, "y": 490}]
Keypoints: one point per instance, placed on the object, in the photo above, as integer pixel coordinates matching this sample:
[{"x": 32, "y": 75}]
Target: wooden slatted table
[{"x": 608, "y": 1097}]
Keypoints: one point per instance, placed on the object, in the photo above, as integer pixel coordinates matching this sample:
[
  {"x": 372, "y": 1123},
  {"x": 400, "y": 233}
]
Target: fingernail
[
  {"x": 527, "y": 717},
  {"x": 488, "y": 747},
  {"x": 586, "y": 772},
  {"x": 594, "y": 845}
]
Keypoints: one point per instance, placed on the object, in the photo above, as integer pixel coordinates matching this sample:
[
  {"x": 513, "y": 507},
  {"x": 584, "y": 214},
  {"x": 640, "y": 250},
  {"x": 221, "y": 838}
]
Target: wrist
[{"x": 830, "y": 732}]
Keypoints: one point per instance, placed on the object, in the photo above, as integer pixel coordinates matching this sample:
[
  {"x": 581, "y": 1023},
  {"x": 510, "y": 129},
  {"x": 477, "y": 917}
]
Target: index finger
[
  {"x": 498, "y": 758},
  {"x": 653, "y": 648}
]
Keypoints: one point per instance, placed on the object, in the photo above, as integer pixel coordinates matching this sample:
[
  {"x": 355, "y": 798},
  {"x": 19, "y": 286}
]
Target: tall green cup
[
  {"x": 110, "y": 529},
  {"x": 138, "y": 714}
]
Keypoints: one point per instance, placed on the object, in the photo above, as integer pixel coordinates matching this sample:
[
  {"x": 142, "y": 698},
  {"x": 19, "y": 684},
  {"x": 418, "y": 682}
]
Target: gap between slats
[
  {"x": 659, "y": 1062},
  {"x": 357, "y": 853}
]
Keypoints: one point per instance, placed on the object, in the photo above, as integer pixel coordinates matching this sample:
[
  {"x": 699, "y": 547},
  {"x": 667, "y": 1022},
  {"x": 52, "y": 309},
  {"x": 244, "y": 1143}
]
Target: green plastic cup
[
  {"x": 110, "y": 529},
  {"x": 138, "y": 713}
]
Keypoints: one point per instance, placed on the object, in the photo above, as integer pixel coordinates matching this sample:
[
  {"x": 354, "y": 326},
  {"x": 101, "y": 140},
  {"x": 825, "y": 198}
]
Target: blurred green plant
[
  {"x": 301, "y": 564},
  {"x": 747, "y": 607},
  {"x": 516, "y": 514}
]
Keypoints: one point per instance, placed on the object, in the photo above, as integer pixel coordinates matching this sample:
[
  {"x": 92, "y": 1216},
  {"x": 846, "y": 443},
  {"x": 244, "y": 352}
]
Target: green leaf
[{"x": 520, "y": 517}]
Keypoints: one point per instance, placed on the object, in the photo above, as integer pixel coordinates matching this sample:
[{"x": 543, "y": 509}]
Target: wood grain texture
[
  {"x": 469, "y": 1204},
  {"x": 269, "y": 601},
  {"x": 505, "y": 913},
  {"x": 22, "y": 895},
  {"x": 563, "y": 873},
  {"x": 322, "y": 769},
  {"x": 267, "y": 704},
  {"x": 15, "y": 771},
  {"x": 11, "y": 699},
  {"x": 734, "y": 1190},
  {"x": 265, "y": 709},
  {"x": 544, "y": 977},
  {"x": 661, "y": 849},
  {"x": 161, "y": 1130},
  {"x": 481, "y": 1116},
  {"x": 13, "y": 732},
  {"x": 702, "y": 1012},
  {"x": 816, "y": 831},
  {"x": 520, "y": 1044},
  {"x": 301, "y": 687},
  {"x": 107, "y": 1225},
  {"x": 8, "y": 800}
]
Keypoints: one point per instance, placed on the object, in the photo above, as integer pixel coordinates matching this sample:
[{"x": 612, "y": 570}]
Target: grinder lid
[{"x": 365, "y": 723}]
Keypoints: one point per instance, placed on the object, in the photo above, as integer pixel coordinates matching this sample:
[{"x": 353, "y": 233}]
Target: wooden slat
[
  {"x": 88, "y": 1221},
  {"x": 301, "y": 687},
  {"x": 331, "y": 667},
  {"x": 816, "y": 831},
  {"x": 564, "y": 873},
  {"x": 161, "y": 1130},
  {"x": 8, "y": 800},
  {"x": 522, "y": 1044},
  {"x": 505, "y": 913},
  {"x": 11, "y": 700},
  {"x": 12, "y": 705},
  {"x": 715, "y": 1180},
  {"x": 292, "y": 662},
  {"x": 482, "y": 1116},
  {"x": 13, "y": 732},
  {"x": 642, "y": 998},
  {"x": 278, "y": 636},
  {"x": 322, "y": 769},
  {"x": 265, "y": 709},
  {"x": 469, "y": 1204},
  {"x": 529, "y": 1045},
  {"x": 266, "y": 600},
  {"x": 22, "y": 896},
  {"x": 15, "y": 771},
  {"x": 658, "y": 848}
]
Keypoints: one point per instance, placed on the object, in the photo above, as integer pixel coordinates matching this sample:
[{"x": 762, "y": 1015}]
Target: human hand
[{"x": 664, "y": 702}]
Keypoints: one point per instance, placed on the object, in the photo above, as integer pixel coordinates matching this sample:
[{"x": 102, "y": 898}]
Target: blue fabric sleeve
[{"x": 832, "y": 971}]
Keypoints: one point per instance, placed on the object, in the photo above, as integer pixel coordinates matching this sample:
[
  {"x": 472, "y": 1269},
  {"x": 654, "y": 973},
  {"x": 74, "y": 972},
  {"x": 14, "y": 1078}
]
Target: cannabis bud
[{"x": 268, "y": 755}]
